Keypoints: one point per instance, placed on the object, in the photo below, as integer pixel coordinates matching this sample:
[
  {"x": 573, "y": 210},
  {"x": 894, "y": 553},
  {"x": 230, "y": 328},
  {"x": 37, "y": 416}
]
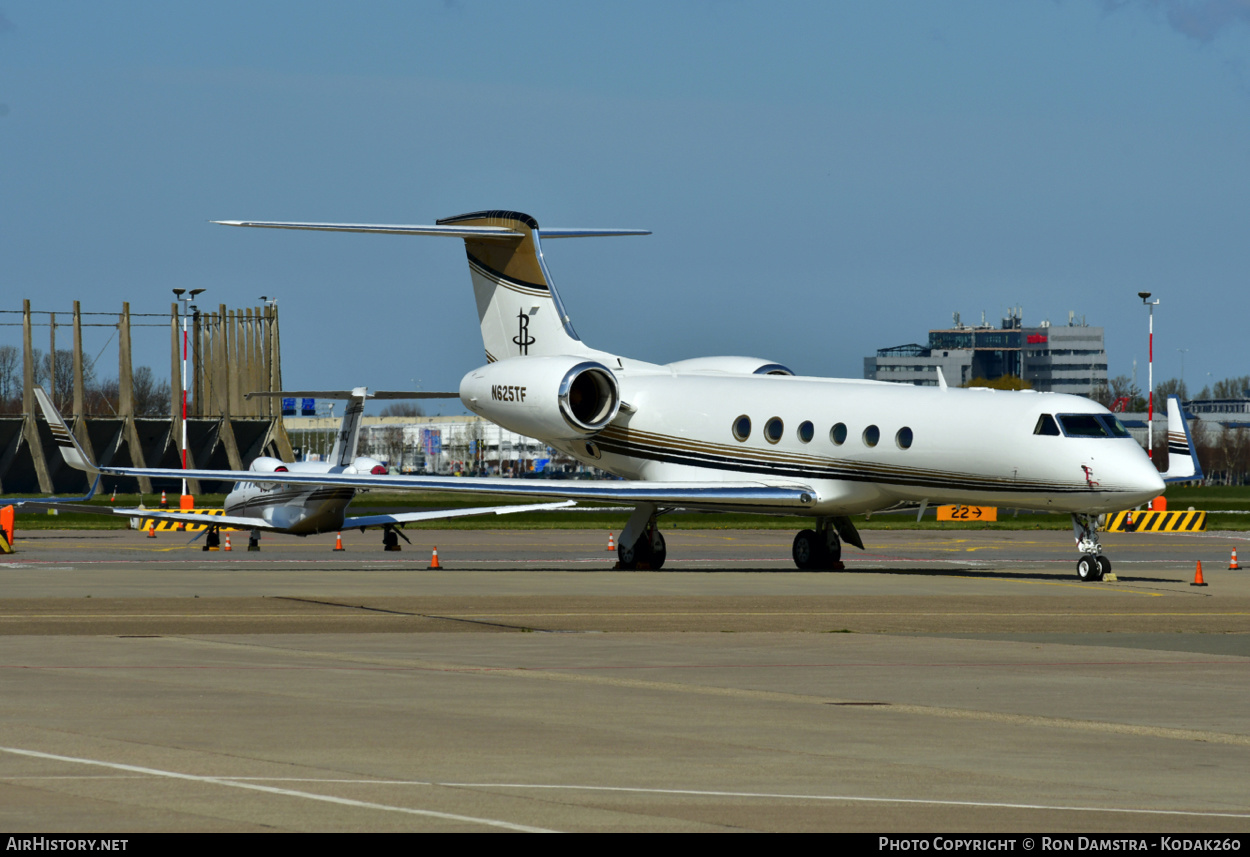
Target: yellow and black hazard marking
[
  {"x": 164, "y": 525},
  {"x": 5, "y": 545},
  {"x": 1156, "y": 522}
]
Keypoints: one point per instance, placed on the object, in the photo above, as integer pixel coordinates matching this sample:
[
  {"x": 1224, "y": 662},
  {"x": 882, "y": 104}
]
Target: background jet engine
[
  {"x": 731, "y": 366},
  {"x": 265, "y": 464},
  {"x": 552, "y": 398}
]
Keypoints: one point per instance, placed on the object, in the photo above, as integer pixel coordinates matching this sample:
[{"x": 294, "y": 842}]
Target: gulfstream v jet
[{"x": 743, "y": 433}]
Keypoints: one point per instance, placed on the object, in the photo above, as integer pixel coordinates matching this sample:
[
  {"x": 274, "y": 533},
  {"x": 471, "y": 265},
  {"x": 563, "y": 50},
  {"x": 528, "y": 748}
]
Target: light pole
[
  {"x": 1183, "y": 391},
  {"x": 187, "y": 308},
  {"x": 1150, "y": 375}
]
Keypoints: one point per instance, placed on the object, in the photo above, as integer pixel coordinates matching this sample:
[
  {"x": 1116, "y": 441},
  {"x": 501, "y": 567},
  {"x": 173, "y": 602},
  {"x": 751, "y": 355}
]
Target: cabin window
[
  {"x": 742, "y": 427},
  {"x": 903, "y": 438},
  {"x": 872, "y": 434},
  {"x": 1046, "y": 425},
  {"x": 806, "y": 431},
  {"x": 837, "y": 434},
  {"x": 773, "y": 429},
  {"x": 1083, "y": 425}
]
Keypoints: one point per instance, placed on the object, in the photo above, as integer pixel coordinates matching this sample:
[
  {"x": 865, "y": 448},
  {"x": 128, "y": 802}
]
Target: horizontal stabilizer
[{"x": 501, "y": 233}]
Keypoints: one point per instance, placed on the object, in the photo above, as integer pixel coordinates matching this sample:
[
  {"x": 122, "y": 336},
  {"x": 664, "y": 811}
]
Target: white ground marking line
[
  {"x": 235, "y": 783},
  {"x": 787, "y": 796},
  {"x": 725, "y": 794}
]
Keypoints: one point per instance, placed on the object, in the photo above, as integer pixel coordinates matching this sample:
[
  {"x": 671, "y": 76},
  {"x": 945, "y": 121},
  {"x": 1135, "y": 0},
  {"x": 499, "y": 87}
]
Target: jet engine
[
  {"x": 731, "y": 366},
  {"x": 265, "y": 464},
  {"x": 363, "y": 464},
  {"x": 554, "y": 398}
]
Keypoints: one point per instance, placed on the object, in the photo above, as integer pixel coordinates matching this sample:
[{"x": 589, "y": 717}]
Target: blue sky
[{"x": 823, "y": 179}]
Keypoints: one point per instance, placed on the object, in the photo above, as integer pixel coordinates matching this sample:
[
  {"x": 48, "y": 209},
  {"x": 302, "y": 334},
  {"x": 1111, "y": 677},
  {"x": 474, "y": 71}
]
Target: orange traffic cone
[
  {"x": 164, "y": 502},
  {"x": 338, "y": 542},
  {"x": 227, "y": 547},
  {"x": 113, "y": 498},
  {"x": 1232, "y": 563},
  {"x": 434, "y": 559},
  {"x": 151, "y": 529},
  {"x": 611, "y": 544},
  {"x": 1198, "y": 581}
]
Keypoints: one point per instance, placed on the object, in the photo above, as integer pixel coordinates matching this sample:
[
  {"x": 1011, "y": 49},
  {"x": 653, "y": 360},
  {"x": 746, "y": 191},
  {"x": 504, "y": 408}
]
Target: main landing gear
[
  {"x": 820, "y": 548},
  {"x": 1092, "y": 565},
  {"x": 391, "y": 537},
  {"x": 212, "y": 540},
  {"x": 641, "y": 546}
]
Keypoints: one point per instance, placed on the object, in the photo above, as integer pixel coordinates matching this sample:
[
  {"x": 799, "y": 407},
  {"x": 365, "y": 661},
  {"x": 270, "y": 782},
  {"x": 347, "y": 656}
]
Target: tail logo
[{"x": 523, "y": 340}]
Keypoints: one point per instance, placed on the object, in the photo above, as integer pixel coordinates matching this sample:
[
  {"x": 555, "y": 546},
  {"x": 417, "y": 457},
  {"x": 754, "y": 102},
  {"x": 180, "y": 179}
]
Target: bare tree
[
  {"x": 403, "y": 409},
  {"x": 1232, "y": 388},
  {"x": 1172, "y": 387},
  {"x": 10, "y": 378},
  {"x": 151, "y": 397}
]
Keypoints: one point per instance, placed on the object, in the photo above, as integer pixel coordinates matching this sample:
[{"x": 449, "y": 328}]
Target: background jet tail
[
  {"x": 1183, "y": 463},
  {"x": 73, "y": 454}
]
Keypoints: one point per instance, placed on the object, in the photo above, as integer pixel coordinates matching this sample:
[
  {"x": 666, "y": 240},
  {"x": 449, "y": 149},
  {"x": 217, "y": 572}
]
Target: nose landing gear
[{"x": 1092, "y": 565}]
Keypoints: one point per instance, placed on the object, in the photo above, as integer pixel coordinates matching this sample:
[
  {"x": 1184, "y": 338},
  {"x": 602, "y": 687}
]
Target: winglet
[
  {"x": 70, "y": 450},
  {"x": 1183, "y": 463}
]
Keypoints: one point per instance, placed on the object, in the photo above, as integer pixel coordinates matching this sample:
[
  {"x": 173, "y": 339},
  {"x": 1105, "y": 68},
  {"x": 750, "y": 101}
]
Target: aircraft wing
[
  {"x": 720, "y": 496},
  {"x": 237, "y": 521},
  {"x": 755, "y": 495},
  {"x": 437, "y": 514}
]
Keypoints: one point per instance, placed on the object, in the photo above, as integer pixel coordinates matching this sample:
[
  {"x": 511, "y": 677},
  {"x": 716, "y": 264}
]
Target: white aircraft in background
[
  {"x": 746, "y": 434},
  {"x": 258, "y": 503}
]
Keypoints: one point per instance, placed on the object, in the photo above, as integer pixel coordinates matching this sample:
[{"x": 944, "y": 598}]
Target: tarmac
[{"x": 947, "y": 681}]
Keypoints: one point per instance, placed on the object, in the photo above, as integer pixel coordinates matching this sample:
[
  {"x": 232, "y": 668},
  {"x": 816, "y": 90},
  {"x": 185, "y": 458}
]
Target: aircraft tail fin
[
  {"x": 1183, "y": 463},
  {"x": 345, "y": 442},
  {"x": 73, "y": 454},
  {"x": 519, "y": 309}
]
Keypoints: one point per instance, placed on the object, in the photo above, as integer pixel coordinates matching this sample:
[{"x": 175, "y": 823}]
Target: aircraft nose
[{"x": 1146, "y": 481}]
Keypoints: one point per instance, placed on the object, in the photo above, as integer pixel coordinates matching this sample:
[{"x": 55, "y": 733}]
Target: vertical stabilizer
[
  {"x": 344, "y": 452},
  {"x": 1183, "y": 463},
  {"x": 519, "y": 309}
]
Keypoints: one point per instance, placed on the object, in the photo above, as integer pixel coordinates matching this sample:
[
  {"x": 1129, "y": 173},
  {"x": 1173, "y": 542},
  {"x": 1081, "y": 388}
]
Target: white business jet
[
  {"x": 263, "y": 500},
  {"x": 747, "y": 434}
]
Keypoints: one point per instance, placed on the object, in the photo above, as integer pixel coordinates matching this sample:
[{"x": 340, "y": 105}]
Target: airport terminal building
[{"x": 1059, "y": 359}]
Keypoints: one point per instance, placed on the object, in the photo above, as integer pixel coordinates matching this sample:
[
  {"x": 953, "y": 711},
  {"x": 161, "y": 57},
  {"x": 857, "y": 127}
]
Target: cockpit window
[
  {"x": 1083, "y": 425},
  {"x": 1114, "y": 426},
  {"x": 1046, "y": 425}
]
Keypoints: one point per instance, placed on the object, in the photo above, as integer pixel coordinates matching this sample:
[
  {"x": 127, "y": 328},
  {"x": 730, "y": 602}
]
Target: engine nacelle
[
  {"x": 553, "y": 398},
  {"x": 364, "y": 464},
  {"x": 265, "y": 464},
  {"x": 731, "y": 366}
]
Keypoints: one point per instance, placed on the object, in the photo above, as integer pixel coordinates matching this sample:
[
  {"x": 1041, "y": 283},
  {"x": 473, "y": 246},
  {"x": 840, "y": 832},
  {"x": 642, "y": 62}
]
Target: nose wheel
[{"x": 1092, "y": 565}]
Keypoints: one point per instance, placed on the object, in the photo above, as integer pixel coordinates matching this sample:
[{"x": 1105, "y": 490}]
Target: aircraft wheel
[
  {"x": 628, "y": 556},
  {"x": 659, "y": 551},
  {"x": 806, "y": 549},
  {"x": 1104, "y": 567},
  {"x": 1088, "y": 568}
]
